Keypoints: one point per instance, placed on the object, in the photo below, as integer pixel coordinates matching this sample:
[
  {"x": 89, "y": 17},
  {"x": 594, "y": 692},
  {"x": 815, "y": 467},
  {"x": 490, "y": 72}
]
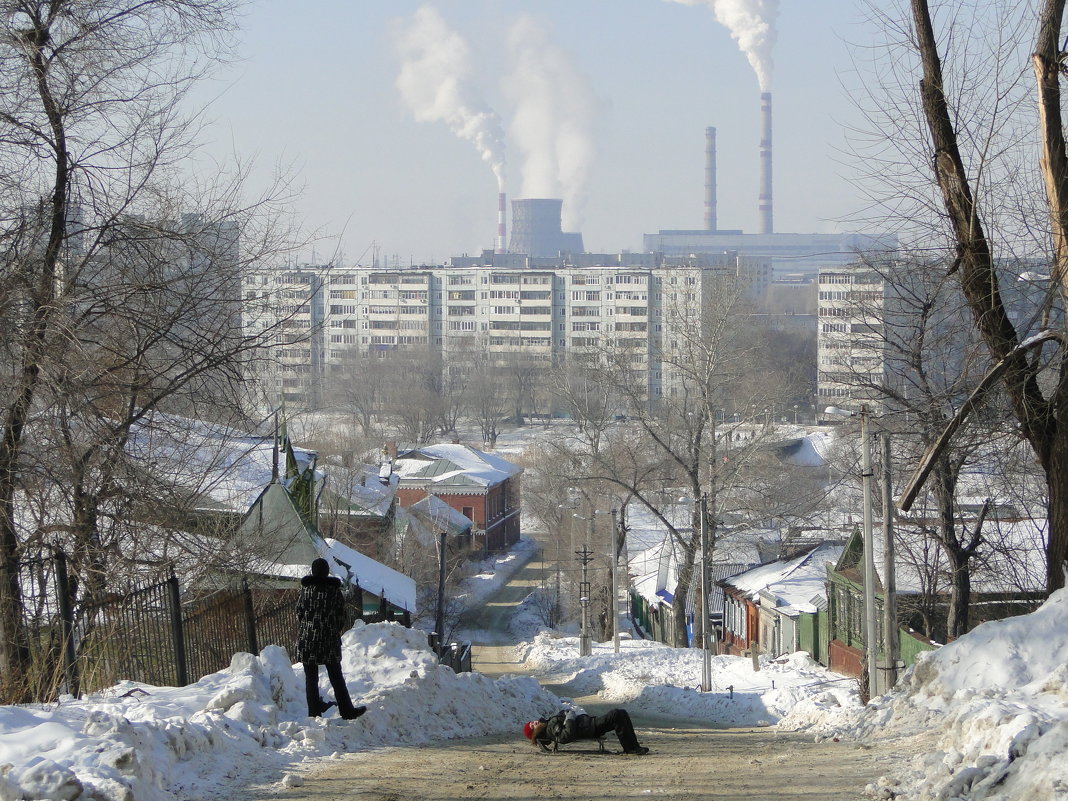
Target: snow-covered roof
[
  {"x": 225, "y": 467},
  {"x": 439, "y": 514},
  {"x": 372, "y": 576},
  {"x": 807, "y": 451},
  {"x": 1011, "y": 558},
  {"x": 368, "y": 492},
  {"x": 792, "y": 582},
  {"x": 451, "y": 463}
]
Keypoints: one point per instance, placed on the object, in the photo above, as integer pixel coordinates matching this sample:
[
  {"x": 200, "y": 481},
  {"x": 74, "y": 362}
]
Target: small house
[{"x": 482, "y": 487}]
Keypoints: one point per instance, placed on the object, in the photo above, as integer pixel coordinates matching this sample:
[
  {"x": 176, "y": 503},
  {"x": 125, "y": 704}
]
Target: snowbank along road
[{"x": 687, "y": 759}]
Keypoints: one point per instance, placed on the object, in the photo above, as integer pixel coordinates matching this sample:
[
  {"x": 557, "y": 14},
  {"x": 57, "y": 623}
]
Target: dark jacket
[
  {"x": 567, "y": 726},
  {"x": 321, "y": 612}
]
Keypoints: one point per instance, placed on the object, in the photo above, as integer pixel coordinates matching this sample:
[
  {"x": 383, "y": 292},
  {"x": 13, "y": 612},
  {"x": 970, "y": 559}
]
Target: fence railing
[
  {"x": 149, "y": 632},
  {"x": 456, "y": 655}
]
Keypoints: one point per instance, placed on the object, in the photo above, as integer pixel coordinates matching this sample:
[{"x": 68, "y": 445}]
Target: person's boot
[
  {"x": 641, "y": 750},
  {"x": 355, "y": 713}
]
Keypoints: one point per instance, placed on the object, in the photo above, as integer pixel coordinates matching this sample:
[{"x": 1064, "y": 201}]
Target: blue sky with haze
[{"x": 635, "y": 81}]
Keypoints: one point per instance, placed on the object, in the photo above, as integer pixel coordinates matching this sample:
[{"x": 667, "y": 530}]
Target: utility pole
[
  {"x": 706, "y": 657},
  {"x": 893, "y": 642},
  {"x": 871, "y": 626},
  {"x": 585, "y": 556},
  {"x": 615, "y": 581},
  {"x": 439, "y": 620}
]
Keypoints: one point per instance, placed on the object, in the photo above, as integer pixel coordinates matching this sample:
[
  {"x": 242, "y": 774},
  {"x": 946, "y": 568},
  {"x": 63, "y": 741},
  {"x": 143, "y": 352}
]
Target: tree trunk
[
  {"x": 960, "y": 591},
  {"x": 1057, "y": 534},
  {"x": 678, "y": 605},
  {"x": 1039, "y": 418}
]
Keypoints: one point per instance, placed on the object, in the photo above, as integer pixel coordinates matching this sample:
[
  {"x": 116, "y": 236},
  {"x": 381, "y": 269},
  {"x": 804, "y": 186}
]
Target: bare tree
[
  {"x": 114, "y": 304},
  {"x": 963, "y": 156},
  {"x": 918, "y": 365},
  {"x": 490, "y": 401},
  {"x": 358, "y": 386},
  {"x": 669, "y": 445},
  {"x": 413, "y": 394}
]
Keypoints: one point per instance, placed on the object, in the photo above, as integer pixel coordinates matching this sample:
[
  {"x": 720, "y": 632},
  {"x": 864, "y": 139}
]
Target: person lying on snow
[{"x": 567, "y": 726}]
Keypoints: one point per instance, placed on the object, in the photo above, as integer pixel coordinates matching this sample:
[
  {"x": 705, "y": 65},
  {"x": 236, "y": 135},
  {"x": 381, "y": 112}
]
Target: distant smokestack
[
  {"x": 710, "y": 179},
  {"x": 501, "y": 241},
  {"x": 766, "y": 224}
]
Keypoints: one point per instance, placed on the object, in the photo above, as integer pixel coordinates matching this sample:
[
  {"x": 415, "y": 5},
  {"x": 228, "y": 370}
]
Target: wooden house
[{"x": 771, "y": 608}]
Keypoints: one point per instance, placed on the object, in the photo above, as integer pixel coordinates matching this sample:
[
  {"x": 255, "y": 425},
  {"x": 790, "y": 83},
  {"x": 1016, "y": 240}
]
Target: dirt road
[{"x": 687, "y": 760}]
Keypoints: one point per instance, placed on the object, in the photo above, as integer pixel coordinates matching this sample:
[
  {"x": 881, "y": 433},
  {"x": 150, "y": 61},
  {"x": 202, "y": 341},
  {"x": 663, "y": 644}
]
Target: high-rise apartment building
[
  {"x": 851, "y": 311},
  {"x": 538, "y": 311}
]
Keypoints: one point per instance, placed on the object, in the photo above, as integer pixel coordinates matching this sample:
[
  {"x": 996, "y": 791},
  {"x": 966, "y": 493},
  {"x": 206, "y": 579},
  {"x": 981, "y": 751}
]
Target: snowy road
[{"x": 687, "y": 760}]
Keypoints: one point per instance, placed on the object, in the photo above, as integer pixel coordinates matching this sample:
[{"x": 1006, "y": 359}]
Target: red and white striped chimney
[
  {"x": 766, "y": 223},
  {"x": 501, "y": 246},
  {"x": 710, "y": 179}
]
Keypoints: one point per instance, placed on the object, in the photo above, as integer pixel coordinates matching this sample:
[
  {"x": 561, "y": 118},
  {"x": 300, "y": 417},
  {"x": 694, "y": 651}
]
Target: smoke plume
[
  {"x": 435, "y": 81},
  {"x": 553, "y": 125},
  {"x": 752, "y": 26}
]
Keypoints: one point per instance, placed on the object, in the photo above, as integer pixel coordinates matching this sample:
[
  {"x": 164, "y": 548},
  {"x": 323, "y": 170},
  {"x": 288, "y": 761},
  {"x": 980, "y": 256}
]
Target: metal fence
[
  {"x": 148, "y": 632},
  {"x": 456, "y": 655}
]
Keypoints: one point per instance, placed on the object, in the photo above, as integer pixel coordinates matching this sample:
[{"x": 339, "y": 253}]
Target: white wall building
[
  {"x": 536, "y": 311},
  {"x": 851, "y": 310}
]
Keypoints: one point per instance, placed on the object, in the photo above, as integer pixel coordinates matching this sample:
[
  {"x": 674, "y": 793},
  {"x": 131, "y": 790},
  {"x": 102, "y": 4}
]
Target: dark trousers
[
  {"x": 618, "y": 721},
  {"x": 337, "y": 681}
]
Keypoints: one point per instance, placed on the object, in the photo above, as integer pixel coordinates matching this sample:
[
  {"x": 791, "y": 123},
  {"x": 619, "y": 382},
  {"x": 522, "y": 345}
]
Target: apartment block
[
  {"x": 540, "y": 311},
  {"x": 851, "y": 309}
]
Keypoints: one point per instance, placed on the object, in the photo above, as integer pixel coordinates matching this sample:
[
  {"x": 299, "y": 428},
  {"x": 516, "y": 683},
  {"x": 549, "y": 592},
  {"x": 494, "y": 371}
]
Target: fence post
[
  {"x": 177, "y": 632},
  {"x": 250, "y": 618},
  {"x": 66, "y": 623}
]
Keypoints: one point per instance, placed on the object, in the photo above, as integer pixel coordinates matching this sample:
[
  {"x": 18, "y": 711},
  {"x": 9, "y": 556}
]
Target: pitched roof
[
  {"x": 453, "y": 464},
  {"x": 793, "y": 582},
  {"x": 226, "y": 469},
  {"x": 1011, "y": 558}
]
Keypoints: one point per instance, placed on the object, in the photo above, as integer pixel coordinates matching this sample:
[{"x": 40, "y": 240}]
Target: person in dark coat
[
  {"x": 567, "y": 726},
  {"x": 321, "y": 616}
]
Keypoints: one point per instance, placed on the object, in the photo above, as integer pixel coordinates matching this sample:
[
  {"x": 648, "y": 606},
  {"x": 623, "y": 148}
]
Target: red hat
[{"x": 528, "y": 728}]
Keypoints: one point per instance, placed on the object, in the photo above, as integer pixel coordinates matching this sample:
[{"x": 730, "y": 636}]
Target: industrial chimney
[
  {"x": 710, "y": 179},
  {"x": 766, "y": 224},
  {"x": 500, "y": 224}
]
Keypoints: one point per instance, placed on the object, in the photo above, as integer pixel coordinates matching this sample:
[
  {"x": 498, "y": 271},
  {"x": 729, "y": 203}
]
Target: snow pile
[
  {"x": 650, "y": 677},
  {"x": 995, "y": 704},
  {"x": 249, "y": 722}
]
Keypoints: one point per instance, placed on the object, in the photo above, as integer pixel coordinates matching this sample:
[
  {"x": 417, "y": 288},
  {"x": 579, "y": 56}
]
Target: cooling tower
[
  {"x": 710, "y": 179},
  {"x": 766, "y": 223},
  {"x": 536, "y": 229},
  {"x": 500, "y": 223}
]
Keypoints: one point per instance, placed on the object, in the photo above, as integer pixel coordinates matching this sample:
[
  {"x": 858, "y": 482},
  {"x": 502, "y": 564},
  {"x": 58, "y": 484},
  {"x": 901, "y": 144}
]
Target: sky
[
  {"x": 603, "y": 104},
  {"x": 996, "y": 697}
]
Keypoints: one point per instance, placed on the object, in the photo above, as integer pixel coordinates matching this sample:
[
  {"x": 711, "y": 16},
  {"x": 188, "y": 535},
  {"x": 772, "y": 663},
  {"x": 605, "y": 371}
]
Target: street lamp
[{"x": 870, "y": 626}]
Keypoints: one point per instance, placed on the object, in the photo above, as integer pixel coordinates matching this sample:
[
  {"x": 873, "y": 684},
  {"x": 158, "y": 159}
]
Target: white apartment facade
[
  {"x": 537, "y": 312},
  {"x": 851, "y": 311}
]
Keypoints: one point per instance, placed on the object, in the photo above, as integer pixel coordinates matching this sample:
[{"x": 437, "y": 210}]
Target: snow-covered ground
[{"x": 994, "y": 706}]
